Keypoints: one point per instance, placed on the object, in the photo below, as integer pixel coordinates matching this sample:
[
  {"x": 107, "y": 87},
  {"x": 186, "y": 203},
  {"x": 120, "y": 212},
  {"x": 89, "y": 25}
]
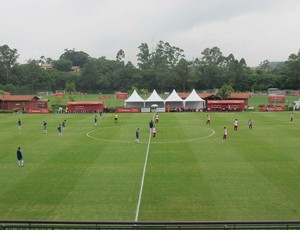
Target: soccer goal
[{"x": 45, "y": 93}]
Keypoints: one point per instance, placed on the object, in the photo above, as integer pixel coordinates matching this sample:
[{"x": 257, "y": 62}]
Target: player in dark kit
[
  {"x": 45, "y": 127},
  {"x": 59, "y": 130},
  {"x": 20, "y": 157},
  {"x": 95, "y": 120},
  {"x": 137, "y": 135},
  {"x": 151, "y": 123},
  {"x": 63, "y": 124},
  {"x": 19, "y": 123}
]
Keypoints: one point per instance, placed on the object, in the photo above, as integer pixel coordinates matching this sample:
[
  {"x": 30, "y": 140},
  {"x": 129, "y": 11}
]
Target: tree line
[{"x": 164, "y": 68}]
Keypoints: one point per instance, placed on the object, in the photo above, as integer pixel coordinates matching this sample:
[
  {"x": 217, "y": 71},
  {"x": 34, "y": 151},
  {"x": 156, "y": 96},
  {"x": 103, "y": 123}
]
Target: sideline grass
[{"x": 254, "y": 175}]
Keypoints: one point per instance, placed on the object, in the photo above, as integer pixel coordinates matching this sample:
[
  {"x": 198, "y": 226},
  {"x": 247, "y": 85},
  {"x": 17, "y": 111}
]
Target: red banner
[
  {"x": 276, "y": 99},
  {"x": 128, "y": 110},
  {"x": 272, "y": 108},
  {"x": 121, "y": 95},
  {"x": 37, "y": 110}
]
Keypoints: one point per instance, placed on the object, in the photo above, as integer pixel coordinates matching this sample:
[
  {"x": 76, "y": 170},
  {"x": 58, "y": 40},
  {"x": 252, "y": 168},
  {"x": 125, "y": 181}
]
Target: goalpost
[
  {"x": 59, "y": 93},
  {"x": 44, "y": 93}
]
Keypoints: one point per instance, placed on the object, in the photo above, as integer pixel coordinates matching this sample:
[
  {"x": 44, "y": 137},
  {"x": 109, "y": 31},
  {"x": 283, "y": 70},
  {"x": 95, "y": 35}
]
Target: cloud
[{"x": 252, "y": 29}]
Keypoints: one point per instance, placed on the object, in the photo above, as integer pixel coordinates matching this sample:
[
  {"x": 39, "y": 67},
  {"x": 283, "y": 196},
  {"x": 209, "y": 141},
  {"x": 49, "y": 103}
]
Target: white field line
[
  {"x": 143, "y": 178},
  {"x": 146, "y": 160},
  {"x": 88, "y": 134}
]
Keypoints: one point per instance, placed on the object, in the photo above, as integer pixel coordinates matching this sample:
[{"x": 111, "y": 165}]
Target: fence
[{"x": 108, "y": 225}]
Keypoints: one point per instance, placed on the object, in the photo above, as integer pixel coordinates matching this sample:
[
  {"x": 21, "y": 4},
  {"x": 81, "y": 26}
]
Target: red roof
[
  {"x": 17, "y": 97},
  {"x": 183, "y": 95},
  {"x": 232, "y": 96},
  {"x": 245, "y": 95},
  {"x": 225, "y": 102},
  {"x": 240, "y": 96},
  {"x": 205, "y": 95}
]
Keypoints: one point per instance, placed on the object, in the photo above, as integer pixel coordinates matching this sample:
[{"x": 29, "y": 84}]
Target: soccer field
[{"x": 185, "y": 173}]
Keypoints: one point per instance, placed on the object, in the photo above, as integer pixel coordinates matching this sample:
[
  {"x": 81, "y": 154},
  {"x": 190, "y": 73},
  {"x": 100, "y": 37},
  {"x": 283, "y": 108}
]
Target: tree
[
  {"x": 36, "y": 78},
  {"x": 44, "y": 60},
  {"x": 182, "y": 71},
  {"x": 212, "y": 56},
  {"x": 127, "y": 76},
  {"x": 110, "y": 75},
  {"x": 144, "y": 57},
  {"x": 2, "y": 93},
  {"x": 265, "y": 80},
  {"x": 234, "y": 73},
  {"x": 168, "y": 55},
  {"x": 8, "y": 59},
  {"x": 78, "y": 58},
  {"x": 265, "y": 66},
  {"x": 58, "y": 79},
  {"x": 105, "y": 70},
  {"x": 62, "y": 65},
  {"x": 209, "y": 68},
  {"x": 164, "y": 67},
  {"x": 89, "y": 77},
  {"x": 70, "y": 87},
  {"x": 225, "y": 91},
  {"x": 120, "y": 55},
  {"x": 293, "y": 71},
  {"x": 143, "y": 92},
  {"x": 165, "y": 58}
]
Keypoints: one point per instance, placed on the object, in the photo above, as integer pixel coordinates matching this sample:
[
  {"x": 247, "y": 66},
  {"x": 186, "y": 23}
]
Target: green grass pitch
[{"x": 95, "y": 173}]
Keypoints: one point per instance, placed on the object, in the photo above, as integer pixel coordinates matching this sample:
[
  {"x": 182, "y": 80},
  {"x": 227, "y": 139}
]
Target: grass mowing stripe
[
  {"x": 173, "y": 171},
  {"x": 143, "y": 176},
  {"x": 253, "y": 175}
]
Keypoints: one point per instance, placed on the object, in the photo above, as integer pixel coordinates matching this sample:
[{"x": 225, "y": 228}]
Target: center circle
[{"x": 125, "y": 138}]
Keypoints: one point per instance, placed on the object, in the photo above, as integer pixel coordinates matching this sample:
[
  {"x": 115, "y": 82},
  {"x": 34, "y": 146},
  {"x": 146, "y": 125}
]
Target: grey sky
[{"x": 252, "y": 29}]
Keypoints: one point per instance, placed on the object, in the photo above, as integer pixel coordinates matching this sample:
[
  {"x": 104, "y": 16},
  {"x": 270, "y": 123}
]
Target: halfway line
[{"x": 143, "y": 178}]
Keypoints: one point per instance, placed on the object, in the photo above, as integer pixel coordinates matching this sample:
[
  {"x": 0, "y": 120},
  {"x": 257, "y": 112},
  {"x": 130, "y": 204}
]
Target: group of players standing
[
  {"x": 60, "y": 127},
  {"x": 152, "y": 125},
  {"x": 96, "y": 118},
  {"x": 235, "y": 126},
  {"x": 152, "y": 129}
]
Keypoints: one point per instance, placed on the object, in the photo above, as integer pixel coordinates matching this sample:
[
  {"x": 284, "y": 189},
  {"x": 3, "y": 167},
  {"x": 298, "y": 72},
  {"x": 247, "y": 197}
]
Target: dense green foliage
[
  {"x": 95, "y": 173},
  {"x": 165, "y": 68}
]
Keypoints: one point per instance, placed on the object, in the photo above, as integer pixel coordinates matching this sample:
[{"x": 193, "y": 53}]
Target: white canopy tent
[
  {"x": 194, "y": 101},
  {"x": 154, "y": 98},
  {"x": 134, "y": 101},
  {"x": 174, "y": 101}
]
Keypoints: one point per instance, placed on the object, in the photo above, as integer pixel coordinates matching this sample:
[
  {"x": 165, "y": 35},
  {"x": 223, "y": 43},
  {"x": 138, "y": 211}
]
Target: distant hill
[
  {"x": 275, "y": 64},
  {"x": 272, "y": 65}
]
